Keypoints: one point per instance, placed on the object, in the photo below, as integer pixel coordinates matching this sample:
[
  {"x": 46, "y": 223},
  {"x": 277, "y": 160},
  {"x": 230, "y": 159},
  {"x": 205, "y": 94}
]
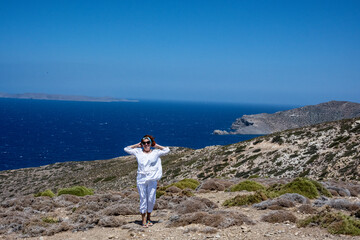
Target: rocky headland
[
  {"x": 265, "y": 123},
  {"x": 296, "y": 184}
]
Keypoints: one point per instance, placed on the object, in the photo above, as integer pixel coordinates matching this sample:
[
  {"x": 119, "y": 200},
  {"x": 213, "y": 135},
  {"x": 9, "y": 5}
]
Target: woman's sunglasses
[{"x": 144, "y": 143}]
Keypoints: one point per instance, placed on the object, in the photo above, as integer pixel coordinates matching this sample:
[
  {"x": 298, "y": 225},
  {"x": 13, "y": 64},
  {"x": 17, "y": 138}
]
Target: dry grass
[
  {"x": 279, "y": 216},
  {"x": 307, "y": 209},
  {"x": 216, "y": 219},
  {"x": 111, "y": 222}
]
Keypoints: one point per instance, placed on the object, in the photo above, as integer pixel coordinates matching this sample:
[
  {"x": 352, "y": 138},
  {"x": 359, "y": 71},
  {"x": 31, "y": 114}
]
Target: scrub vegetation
[
  {"x": 334, "y": 222},
  {"x": 77, "y": 191}
]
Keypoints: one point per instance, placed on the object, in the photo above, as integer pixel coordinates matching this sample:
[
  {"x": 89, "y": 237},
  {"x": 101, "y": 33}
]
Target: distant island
[
  {"x": 43, "y": 96},
  {"x": 265, "y": 123}
]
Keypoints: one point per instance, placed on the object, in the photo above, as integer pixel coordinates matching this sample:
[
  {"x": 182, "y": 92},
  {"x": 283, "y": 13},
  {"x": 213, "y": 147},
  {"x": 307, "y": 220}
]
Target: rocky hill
[
  {"x": 324, "y": 151},
  {"x": 299, "y": 117},
  {"x": 217, "y": 203}
]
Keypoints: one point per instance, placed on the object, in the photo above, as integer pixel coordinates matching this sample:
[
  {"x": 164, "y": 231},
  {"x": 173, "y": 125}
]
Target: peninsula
[
  {"x": 44, "y": 96},
  {"x": 265, "y": 123}
]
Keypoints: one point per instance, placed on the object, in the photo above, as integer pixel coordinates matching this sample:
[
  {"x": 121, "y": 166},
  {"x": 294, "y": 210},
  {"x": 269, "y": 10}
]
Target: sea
[{"x": 41, "y": 132}]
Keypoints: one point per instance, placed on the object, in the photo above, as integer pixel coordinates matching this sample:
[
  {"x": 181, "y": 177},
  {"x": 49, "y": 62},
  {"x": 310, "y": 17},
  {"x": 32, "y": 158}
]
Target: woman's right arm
[{"x": 132, "y": 148}]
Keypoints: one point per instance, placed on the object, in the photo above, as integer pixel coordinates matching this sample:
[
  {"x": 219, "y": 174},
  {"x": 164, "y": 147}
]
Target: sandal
[
  {"x": 144, "y": 225},
  {"x": 149, "y": 223}
]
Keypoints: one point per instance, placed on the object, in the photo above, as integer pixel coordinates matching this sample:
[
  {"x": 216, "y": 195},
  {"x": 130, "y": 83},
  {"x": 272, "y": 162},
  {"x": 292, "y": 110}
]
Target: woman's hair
[{"x": 152, "y": 139}]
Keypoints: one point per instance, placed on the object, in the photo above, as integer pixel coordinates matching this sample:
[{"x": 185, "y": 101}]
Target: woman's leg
[
  {"x": 142, "y": 189},
  {"x": 151, "y": 190}
]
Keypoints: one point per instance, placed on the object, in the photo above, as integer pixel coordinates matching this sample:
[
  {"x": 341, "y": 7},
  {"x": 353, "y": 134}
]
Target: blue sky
[{"x": 293, "y": 52}]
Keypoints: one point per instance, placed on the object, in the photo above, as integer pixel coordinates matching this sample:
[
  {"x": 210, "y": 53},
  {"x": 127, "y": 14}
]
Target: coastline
[{"x": 58, "y": 97}]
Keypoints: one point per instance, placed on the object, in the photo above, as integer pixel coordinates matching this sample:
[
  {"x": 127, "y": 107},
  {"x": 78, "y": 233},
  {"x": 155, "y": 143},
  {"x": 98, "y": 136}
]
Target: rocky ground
[{"x": 179, "y": 214}]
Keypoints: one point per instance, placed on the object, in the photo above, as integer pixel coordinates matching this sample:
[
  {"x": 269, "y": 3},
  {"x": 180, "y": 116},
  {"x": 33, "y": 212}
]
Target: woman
[{"x": 148, "y": 173}]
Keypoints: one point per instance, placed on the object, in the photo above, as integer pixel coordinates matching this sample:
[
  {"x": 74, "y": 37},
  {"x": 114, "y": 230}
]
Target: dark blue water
[{"x": 40, "y": 132}]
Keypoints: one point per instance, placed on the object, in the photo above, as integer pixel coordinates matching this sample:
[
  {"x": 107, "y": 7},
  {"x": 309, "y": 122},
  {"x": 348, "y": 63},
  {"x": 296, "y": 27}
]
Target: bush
[
  {"x": 215, "y": 219},
  {"x": 110, "y": 178},
  {"x": 277, "y": 139},
  {"x": 278, "y": 217},
  {"x": 344, "y": 204},
  {"x": 302, "y": 186},
  {"x": 277, "y": 203},
  {"x": 241, "y": 200},
  {"x": 186, "y": 183},
  {"x": 77, "y": 191},
  {"x": 307, "y": 209},
  {"x": 286, "y": 200},
  {"x": 50, "y": 220},
  {"x": 46, "y": 193},
  {"x": 248, "y": 186},
  {"x": 111, "y": 222},
  {"x": 321, "y": 189},
  {"x": 335, "y": 223},
  {"x": 195, "y": 204}
]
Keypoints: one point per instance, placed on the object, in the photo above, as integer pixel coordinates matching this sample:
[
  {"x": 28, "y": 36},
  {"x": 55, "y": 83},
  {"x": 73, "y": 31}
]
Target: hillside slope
[{"x": 325, "y": 151}]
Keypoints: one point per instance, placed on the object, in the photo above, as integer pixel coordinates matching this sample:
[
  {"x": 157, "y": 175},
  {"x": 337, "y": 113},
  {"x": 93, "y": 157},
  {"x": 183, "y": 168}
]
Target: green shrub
[
  {"x": 321, "y": 189},
  {"x": 159, "y": 193},
  {"x": 356, "y": 129},
  {"x": 257, "y": 141},
  {"x": 312, "y": 150},
  {"x": 301, "y": 186},
  {"x": 50, "y": 220},
  {"x": 241, "y": 200},
  {"x": 247, "y": 185},
  {"x": 98, "y": 179},
  {"x": 304, "y": 173},
  {"x": 186, "y": 183},
  {"x": 77, "y": 191},
  {"x": 46, "y": 193},
  {"x": 240, "y": 149},
  {"x": 277, "y": 139},
  {"x": 335, "y": 223},
  {"x": 329, "y": 157},
  {"x": 110, "y": 178},
  {"x": 187, "y": 193},
  {"x": 201, "y": 175},
  {"x": 312, "y": 159},
  {"x": 220, "y": 167}
]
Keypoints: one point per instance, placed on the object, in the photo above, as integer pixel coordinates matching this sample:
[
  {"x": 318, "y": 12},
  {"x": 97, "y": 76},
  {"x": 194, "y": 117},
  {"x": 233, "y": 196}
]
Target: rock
[{"x": 220, "y": 132}]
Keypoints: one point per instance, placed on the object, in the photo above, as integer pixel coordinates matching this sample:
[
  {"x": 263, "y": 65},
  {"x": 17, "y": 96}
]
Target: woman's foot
[
  {"x": 144, "y": 225},
  {"x": 149, "y": 223}
]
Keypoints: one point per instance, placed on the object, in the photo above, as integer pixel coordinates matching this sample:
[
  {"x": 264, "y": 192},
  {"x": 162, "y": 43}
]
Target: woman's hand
[
  {"x": 137, "y": 145},
  {"x": 158, "y": 146}
]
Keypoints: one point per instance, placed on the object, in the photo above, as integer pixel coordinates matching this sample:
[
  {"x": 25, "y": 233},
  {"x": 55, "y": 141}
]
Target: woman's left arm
[{"x": 163, "y": 150}]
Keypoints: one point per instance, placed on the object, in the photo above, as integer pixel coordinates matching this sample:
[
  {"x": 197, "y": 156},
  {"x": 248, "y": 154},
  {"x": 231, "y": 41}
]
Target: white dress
[{"x": 149, "y": 164}]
